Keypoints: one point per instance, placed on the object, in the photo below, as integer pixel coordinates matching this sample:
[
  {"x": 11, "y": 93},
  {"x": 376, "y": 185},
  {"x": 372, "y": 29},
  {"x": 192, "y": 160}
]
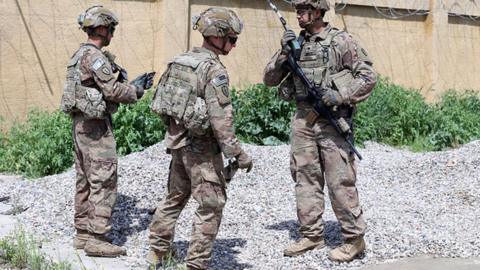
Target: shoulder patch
[
  {"x": 220, "y": 80},
  {"x": 98, "y": 64},
  {"x": 225, "y": 90},
  {"x": 220, "y": 84},
  {"x": 106, "y": 71}
]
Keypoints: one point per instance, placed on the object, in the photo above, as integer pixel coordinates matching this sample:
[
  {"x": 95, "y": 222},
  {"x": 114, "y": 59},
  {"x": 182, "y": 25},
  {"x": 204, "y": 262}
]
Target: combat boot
[
  {"x": 101, "y": 246},
  {"x": 347, "y": 251},
  {"x": 303, "y": 245},
  {"x": 156, "y": 259},
  {"x": 80, "y": 239}
]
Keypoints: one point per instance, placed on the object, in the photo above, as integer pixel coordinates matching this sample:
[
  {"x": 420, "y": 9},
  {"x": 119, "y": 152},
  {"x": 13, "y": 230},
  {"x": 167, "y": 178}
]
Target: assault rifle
[{"x": 314, "y": 93}]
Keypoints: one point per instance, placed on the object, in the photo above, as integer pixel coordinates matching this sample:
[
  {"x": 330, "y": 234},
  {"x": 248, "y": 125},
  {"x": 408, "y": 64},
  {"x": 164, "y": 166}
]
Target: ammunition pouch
[
  {"x": 342, "y": 82},
  {"x": 90, "y": 102},
  {"x": 78, "y": 98}
]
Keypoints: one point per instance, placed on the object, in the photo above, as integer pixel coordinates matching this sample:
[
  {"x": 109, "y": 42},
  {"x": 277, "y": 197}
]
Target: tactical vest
[
  {"x": 78, "y": 98},
  {"x": 317, "y": 62},
  {"x": 178, "y": 93}
]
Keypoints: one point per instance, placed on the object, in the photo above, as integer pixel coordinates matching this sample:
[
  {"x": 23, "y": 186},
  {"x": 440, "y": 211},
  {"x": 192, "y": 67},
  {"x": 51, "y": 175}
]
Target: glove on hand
[
  {"x": 244, "y": 161},
  {"x": 288, "y": 36},
  {"x": 122, "y": 76},
  {"x": 332, "y": 98},
  {"x": 142, "y": 82}
]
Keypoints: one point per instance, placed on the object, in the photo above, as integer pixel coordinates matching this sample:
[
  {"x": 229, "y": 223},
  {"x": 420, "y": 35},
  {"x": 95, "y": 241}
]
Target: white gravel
[{"x": 414, "y": 203}]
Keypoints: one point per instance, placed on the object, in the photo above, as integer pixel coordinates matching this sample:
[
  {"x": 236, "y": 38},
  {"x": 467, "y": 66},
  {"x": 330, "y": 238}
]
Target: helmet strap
[
  {"x": 221, "y": 49},
  {"x": 312, "y": 20},
  {"x": 104, "y": 38}
]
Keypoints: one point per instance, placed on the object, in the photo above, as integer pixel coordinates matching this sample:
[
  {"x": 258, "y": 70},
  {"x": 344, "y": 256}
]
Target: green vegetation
[
  {"x": 22, "y": 251},
  {"x": 396, "y": 116},
  {"x": 392, "y": 115},
  {"x": 43, "y": 144},
  {"x": 40, "y": 146},
  {"x": 170, "y": 261},
  {"x": 260, "y": 117},
  {"x": 137, "y": 127}
]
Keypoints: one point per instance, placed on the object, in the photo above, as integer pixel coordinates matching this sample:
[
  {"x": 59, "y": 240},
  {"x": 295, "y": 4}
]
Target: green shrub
[
  {"x": 21, "y": 251},
  {"x": 456, "y": 120},
  {"x": 401, "y": 117},
  {"x": 43, "y": 144},
  {"x": 392, "y": 115},
  {"x": 137, "y": 127},
  {"x": 260, "y": 116},
  {"x": 40, "y": 146}
]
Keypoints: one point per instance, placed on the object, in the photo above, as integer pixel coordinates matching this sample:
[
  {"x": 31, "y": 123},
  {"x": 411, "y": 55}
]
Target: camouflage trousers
[
  {"x": 197, "y": 171},
  {"x": 319, "y": 155},
  {"x": 96, "y": 178}
]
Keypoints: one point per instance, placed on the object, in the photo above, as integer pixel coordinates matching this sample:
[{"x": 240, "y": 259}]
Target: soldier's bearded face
[
  {"x": 105, "y": 34},
  {"x": 303, "y": 17}
]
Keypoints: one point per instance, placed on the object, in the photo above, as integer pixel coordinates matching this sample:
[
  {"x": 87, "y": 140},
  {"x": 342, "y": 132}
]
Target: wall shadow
[
  {"x": 464, "y": 20},
  {"x": 224, "y": 254}
]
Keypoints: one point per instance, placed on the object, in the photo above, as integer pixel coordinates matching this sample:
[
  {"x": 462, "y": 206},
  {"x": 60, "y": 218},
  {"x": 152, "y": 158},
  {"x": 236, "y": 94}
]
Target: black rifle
[{"x": 314, "y": 93}]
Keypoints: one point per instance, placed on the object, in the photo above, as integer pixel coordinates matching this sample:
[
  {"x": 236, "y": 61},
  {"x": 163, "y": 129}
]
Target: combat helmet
[
  {"x": 217, "y": 22},
  {"x": 96, "y": 16},
  {"x": 317, "y": 4}
]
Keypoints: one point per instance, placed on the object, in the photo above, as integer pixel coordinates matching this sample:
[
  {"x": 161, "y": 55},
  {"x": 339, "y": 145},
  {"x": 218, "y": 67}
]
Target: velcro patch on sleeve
[
  {"x": 98, "y": 64},
  {"x": 220, "y": 83},
  {"x": 220, "y": 80}
]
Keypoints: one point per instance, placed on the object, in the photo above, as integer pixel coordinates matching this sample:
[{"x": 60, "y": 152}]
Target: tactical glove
[
  {"x": 332, "y": 98},
  {"x": 244, "y": 161},
  {"x": 288, "y": 36},
  {"x": 122, "y": 76},
  {"x": 142, "y": 82}
]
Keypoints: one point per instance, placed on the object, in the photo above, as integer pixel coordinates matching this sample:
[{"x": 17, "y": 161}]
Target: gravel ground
[{"x": 414, "y": 203}]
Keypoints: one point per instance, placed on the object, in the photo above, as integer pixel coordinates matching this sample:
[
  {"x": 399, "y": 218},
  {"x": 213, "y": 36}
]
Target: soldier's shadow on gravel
[
  {"x": 128, "y": 219},
  {"x": 333, "y": 235},
  {"x": 224, "y": 253}
]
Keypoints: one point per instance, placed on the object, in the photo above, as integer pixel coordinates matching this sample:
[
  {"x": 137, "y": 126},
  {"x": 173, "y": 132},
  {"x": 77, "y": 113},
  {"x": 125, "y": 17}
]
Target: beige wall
[{"x": 431, "y": 52}]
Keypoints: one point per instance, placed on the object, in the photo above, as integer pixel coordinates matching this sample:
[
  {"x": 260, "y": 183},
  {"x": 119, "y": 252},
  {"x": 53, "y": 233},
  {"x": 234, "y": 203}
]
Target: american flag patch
[{"x": 220, "y": 80}]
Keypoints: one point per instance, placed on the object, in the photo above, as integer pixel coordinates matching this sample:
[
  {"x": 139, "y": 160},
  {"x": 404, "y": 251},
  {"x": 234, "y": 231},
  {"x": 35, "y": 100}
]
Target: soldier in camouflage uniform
[
  {"x": 91, "y": 94},
  {"x": 193, "y": 98},
  {"x": 334, "y": 61}
]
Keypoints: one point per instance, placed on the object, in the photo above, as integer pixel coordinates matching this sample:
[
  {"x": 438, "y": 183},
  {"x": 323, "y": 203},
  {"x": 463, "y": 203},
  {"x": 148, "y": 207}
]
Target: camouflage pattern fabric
[
  {"x": 95, "y": 147},
  {"x": 318, "y": 154},
  {"x": 194, "y": 171},
  {"x": 215, "y": 90},
  {"x": 197, "y": 170}
]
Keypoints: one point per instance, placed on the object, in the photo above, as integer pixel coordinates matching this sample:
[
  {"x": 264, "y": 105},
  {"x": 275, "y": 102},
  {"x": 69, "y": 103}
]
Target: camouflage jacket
[
  {"x": 96, "y": 72},
  {"x": 344, "y": 54},
  {"x": 214, "y": 88}
]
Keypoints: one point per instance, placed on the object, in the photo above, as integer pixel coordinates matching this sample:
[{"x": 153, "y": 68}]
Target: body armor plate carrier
[
  {"x": 178, "y": 92},
  {"x": 78, "y": 98}
]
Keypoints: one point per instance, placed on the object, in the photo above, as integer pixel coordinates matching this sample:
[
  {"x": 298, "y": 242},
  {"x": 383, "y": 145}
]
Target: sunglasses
[
  {"x": 302, "y": 11},
  {"x": 111, "y": 29},
  {"x": 232, "y": 39}
]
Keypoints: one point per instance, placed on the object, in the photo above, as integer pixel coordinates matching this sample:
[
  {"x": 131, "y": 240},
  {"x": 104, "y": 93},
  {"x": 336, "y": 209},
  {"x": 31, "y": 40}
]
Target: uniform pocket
[{"x": 210, "y": 174}]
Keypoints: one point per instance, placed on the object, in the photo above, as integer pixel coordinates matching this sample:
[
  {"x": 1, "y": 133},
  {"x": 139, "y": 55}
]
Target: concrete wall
[{"x": 429, "y": 49}]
